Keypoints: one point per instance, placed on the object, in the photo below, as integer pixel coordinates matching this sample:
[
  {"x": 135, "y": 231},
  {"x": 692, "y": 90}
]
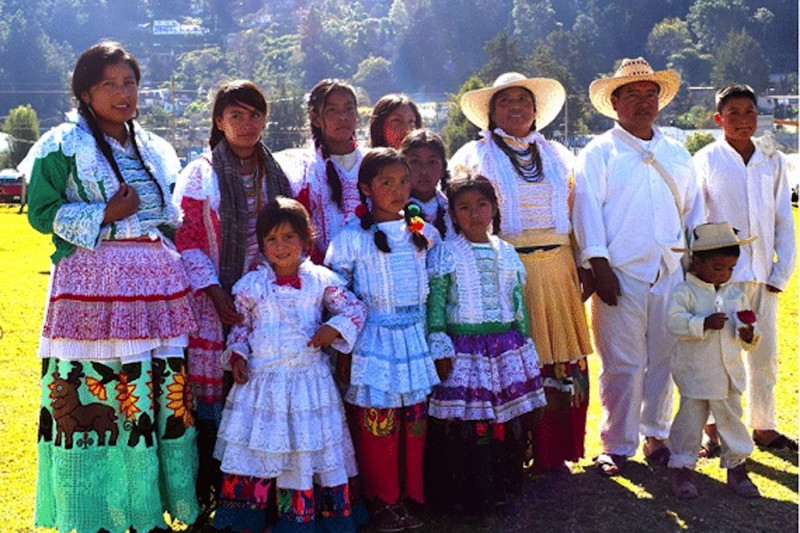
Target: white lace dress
[{"x": 287, "y": 422}]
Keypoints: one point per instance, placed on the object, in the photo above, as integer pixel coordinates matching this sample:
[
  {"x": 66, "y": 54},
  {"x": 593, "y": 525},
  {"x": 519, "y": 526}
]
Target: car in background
[{"x": 10, "y": 185}]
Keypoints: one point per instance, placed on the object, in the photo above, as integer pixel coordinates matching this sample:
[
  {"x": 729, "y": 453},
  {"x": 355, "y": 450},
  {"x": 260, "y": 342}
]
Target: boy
[
  {"x": 745, "y": 183},
  {"x": 713, "y": 322}
]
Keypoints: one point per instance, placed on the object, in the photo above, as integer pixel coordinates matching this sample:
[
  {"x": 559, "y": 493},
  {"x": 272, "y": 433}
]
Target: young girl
[
  {"x": 392, "y": 118},
  {"x": 424, "y": 152},
  {"x": 391, "y": 371},
  {"x": 477, "y": 316},
  {"x": 326, "y": 183},
  {"x": 283, "y": 440}
]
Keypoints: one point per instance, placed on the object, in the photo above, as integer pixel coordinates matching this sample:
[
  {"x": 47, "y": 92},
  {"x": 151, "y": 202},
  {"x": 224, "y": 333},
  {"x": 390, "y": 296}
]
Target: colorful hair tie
[
  {"x": 374, "y": 229},
  {"x": 416, "y": 224}
]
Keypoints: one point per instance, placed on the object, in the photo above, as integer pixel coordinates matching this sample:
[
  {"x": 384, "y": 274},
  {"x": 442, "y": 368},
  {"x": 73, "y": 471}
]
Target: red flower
[{"x": 747, "y": 317}]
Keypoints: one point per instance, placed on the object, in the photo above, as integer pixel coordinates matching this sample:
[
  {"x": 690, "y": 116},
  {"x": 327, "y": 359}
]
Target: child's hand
[
  {"x": 224, "y": 305},
  {"x": 715, "y": 321},
  {"x": 239, "y": 368},
  {"x": 746, "y": 333},
  {"x": 343, "y": 362},
  {"x": 324, "y": 337},
  {"x": 443, "y": 367}
]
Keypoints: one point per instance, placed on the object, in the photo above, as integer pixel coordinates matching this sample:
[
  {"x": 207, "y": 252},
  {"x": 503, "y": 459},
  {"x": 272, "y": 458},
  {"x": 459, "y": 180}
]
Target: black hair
[
  {"x": 316, "y": 103},
  {"x": 472, "y": 182},
  {"x": 537, "y": 157},
  {"x": 726, "y": 251},
  {"x": 233, "y": 93},
  {"x": 280, "y": 210},
  {"x": 383, "y": 108},
  {"x": 89, "y": 70},
  {"x": 374, "y": 161},
  {"x": 731, "y": 91},
  {"x": 425, "y": 138}
]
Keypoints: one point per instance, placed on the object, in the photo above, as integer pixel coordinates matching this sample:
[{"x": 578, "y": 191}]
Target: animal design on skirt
[{"x": 71, "y": 416}]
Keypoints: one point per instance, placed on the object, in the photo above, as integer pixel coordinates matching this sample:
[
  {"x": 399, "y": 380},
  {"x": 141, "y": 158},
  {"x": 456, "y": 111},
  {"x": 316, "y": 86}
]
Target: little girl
[
  {"x": 326, "y": 182},
  {"x": 283, "y": 440},
  {"x": 424, "y": 152},
  {"x": 391, "y": 371},
  {"x": 477, "y": 316}
]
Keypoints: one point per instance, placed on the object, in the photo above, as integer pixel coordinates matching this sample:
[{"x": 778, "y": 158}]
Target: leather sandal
[
  {"x": 610, "y": 464},
  {"x": 409, "y": 521},
  {"x": 386, "y": 520},
  {"x": 659, "y": 456},
  {"x": 781, "y": 442}
]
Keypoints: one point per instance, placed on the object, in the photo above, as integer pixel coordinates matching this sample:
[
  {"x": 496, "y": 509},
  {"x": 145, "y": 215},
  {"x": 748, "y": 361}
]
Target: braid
[
  {"x": 439, "y": 223},
  {"x": 420, "y": 240},
  {"x": 100, "y": 139},
  {"x": 144, "y": 163},
  {"x": 537, "y": 157},
  {"x": 333, "y": 179},
  {"x": 368, "y": 224},
  {"x": 496, "y": 222}
]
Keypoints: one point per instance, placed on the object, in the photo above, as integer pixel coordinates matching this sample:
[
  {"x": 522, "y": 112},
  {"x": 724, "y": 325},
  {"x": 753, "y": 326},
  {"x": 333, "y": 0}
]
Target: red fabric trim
[{"x": 120, "y": 298}]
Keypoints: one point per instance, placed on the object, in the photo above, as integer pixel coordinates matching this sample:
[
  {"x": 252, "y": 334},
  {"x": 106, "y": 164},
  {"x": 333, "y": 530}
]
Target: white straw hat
[
  {"x": 712, "y": 236},
  {"x": 631, "y": 71},
  {"x": 549, "y": 96}
]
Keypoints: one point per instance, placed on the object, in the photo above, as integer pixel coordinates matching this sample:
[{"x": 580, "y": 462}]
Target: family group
[{"x": 314, "y": 343}]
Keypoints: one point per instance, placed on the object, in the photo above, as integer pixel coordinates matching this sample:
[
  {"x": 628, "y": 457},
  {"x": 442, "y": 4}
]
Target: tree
[
  {"x": 668, "y": 37},
  {"x": 697, "y": 140},
  {"x": 458, "y": 130},
  {"x": 504, "y": 56},
  {"x": 287, "y": 120},
  {"x": 22, "y": 125},
  {"x": 375, "y": 76},
  {"x": 713, "y": 20},
  {"x": 533, "y": 20},
  {"x": 740, "y": 59}
]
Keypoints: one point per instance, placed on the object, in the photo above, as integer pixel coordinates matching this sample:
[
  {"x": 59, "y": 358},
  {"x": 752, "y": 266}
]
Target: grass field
[{"x": 584, "y": 502}]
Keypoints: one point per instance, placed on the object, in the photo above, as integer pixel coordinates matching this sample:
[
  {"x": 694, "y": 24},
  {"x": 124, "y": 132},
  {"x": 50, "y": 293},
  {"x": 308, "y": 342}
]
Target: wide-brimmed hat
[
  {"x": 631, "y": 71},
  {"x": 712, "y": 236},
  {"x": 548, "y": 93}
]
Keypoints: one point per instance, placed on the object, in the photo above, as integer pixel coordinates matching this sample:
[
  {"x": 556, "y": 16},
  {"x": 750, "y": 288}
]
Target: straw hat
[
  {"x": 712, "y": 236},
  {"x": 548, "y": 93},
  {"x": 631, "y": 71}
]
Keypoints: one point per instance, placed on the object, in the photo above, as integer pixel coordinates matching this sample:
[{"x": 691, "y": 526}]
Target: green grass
[{"x": 585, "y": 501}]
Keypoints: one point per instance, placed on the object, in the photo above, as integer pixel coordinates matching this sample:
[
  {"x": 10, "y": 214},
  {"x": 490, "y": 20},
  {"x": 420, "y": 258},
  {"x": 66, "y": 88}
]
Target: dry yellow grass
[{"x": 585, "y": 502}]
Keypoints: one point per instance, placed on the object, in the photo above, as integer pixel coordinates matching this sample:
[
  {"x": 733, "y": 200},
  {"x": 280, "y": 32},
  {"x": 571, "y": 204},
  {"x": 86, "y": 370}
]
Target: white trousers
[
  {"x": 635, "y": 384},
  {"x": 686, "y": 434},
  {"x": 761, "y": 364}
]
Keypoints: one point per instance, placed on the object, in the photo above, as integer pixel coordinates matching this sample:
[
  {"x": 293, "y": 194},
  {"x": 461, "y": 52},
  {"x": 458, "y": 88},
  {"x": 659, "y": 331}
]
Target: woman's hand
[
  {"x": 443, "y": 368},
  {"x": 605, "y": 281},
  {"x": 123, "y": 204},
  {"x": 239, "y": 369},
  {"x": 323, "y": 337},
  {"x": 224, "y": 305}
]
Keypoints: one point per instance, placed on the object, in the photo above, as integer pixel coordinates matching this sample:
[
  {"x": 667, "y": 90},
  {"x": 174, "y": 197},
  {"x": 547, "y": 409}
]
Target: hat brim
[
  {"x": 600, "y": 90},
  {"x": 549, "y": 94},
  {"x": 715, "y": 246}
]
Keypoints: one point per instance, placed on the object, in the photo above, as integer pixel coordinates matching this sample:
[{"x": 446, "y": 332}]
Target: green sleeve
[
  {"x": 437, "y": 303},
  {"x": 521, "y": 318}
]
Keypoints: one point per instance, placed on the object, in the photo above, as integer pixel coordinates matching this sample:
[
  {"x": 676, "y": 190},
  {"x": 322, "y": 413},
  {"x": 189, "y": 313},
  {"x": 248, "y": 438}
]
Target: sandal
[
  {"x": 409, "y": 521},
  {"x": 386, "y": 519},
  {"x": 659, "y": 456},
  {"x": 781, "y": 442},
  {"x": 610, "y": 464},
  {"x": 709, "y": 448}
]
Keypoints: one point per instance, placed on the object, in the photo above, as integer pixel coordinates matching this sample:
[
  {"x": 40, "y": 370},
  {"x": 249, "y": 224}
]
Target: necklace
[{"x": 244, "y": 160}]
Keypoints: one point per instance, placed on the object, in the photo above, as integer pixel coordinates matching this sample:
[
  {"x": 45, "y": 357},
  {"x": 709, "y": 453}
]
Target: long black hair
[
  {"x": 374, "y": 161},
  {"x": 316, "y": 103},
  {"x": 383, "y": 108},
  {"x": 89, "y": 70}
]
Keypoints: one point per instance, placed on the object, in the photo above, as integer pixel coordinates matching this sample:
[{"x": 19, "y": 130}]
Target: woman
[
  {"x": 221, "y": 195},
  {"x": 116, "y": 437},
  {"x": 393, "y": 116},
  {"x": 531, "y": 176}
]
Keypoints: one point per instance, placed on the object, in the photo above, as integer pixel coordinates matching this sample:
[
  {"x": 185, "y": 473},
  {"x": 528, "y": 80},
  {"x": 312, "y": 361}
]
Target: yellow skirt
[{"x": 553, "y": 297}]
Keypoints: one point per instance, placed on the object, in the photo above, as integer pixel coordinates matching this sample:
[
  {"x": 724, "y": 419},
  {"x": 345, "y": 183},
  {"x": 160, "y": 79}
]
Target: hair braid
[
  {"x": 132, "y": 133},
  {"x": 368, "y": 224},
  {"x": 420, "y": 240},
  {"x": 537, "y": 157}
]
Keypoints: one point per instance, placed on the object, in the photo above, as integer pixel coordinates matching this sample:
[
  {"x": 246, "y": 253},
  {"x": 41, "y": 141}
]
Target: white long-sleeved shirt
[
  {"x": 623, "y": 209},
  {"x": 756, "y": 200},
  {"x": 707, "y": 362}
]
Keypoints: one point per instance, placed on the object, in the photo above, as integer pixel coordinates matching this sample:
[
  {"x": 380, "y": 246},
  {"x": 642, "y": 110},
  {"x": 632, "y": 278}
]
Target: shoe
[
  {"x": 409, "y": 521},
  {"x": 681, "y": 483},
  {"x": 781, "y": 442},
  {"x": 739, "y": 483},
  {"x": 658, "y": 456},
  {"x": 610, "y": 464},
  {"x": 386, "y": 520},
  {"x": 709, "y": 448}
]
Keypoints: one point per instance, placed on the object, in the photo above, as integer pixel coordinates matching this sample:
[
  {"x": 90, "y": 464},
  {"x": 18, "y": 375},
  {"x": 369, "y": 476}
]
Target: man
[{"x": 635, "y": 192}]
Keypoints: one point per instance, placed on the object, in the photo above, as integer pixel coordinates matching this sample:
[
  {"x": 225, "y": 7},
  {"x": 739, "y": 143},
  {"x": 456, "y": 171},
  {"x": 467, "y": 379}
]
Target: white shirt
[
  {"x": 755, "y": 199},
  {"x": 624, "y": 210}
]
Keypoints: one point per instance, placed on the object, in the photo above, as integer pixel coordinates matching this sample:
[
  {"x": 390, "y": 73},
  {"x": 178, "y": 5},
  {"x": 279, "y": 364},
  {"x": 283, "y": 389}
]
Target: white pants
[
  {"x": 761, "y": 364},
  {"x": 686, "y": 434},
  {"x": 635, "y": 383}
]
